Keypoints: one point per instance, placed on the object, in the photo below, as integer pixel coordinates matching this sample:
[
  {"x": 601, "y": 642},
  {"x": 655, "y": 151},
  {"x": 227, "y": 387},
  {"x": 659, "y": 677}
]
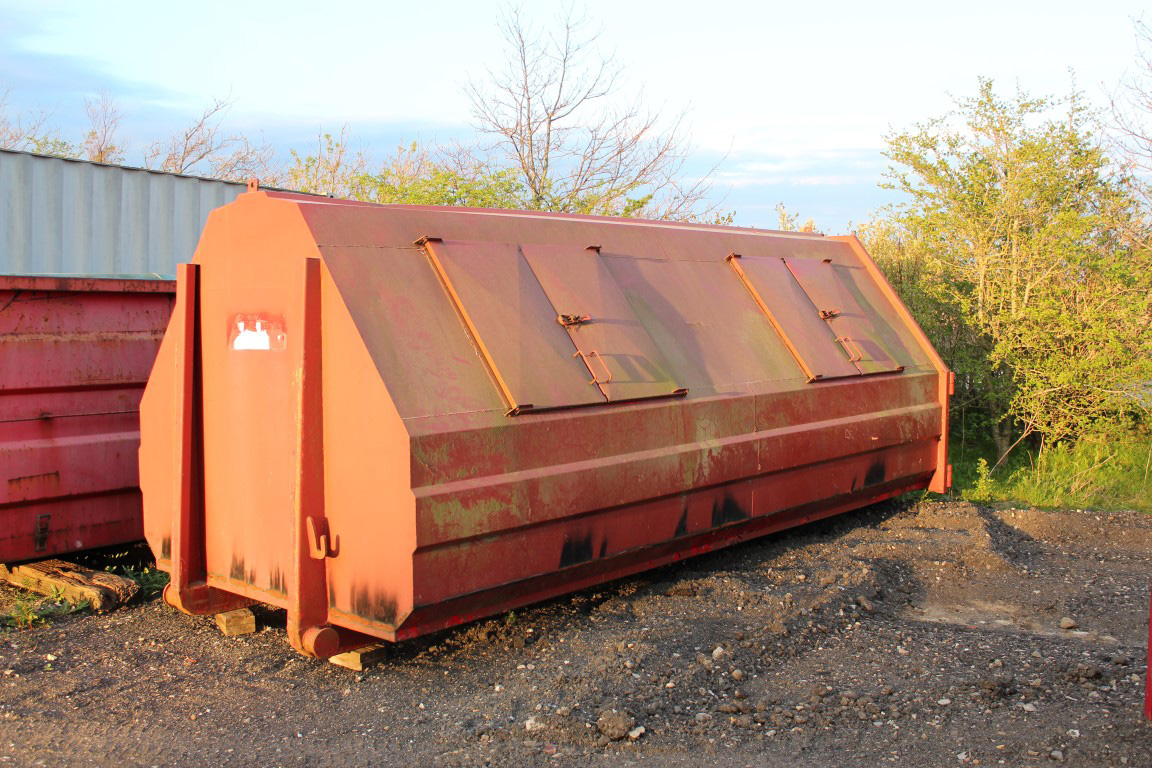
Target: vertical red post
[
  {"x": 188, "y": 590},
  {"x": 1148, "y": 670},
  {"x": 308, "y": 628}
]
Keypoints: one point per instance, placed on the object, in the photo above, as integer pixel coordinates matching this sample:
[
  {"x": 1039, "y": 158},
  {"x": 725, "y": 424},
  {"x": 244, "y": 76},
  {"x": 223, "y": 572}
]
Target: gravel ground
[{"x": 934, "y": 634}]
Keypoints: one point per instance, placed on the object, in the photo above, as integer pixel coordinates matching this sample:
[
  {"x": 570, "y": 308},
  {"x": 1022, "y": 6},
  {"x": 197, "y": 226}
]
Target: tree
[
  {"x": 983, "y": 391},
  {"x": 1024, "y": 229},
  {"x": 454, "y": 176},
  {"x": 1131, "y": 108},
  {"x": 31, "y": 133},
  {"x": 548, "y": 116},
  {"x": 203, "y": 148},
  {"x": 790, "y": 222},
  {"x": 100, "y": 144},
  {"x": 336, "y": 169}
]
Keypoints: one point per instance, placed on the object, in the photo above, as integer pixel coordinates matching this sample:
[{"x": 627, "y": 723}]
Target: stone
[
  {"x": 1068, "y": 623},
  {"x": 614, "y": 724}
]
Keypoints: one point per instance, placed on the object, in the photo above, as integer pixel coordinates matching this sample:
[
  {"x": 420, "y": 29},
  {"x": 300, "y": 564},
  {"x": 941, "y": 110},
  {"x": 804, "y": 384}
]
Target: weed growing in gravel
[
  {"x": 27, "y": 611},
  {"x": 151, "y": 580}
]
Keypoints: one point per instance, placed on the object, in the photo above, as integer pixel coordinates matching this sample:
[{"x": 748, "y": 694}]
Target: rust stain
[{"x": 50, "y": 479}]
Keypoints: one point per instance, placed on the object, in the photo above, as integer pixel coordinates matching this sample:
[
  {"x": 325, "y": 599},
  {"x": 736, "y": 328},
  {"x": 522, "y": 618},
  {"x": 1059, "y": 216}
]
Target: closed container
[
  {"x": 75, "y": 354},
  {"x": 391, "y": 419}
]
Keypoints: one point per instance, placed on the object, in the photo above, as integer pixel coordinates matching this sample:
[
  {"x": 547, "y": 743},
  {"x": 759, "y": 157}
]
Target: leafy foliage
[{"x": 1014, "y": 249}]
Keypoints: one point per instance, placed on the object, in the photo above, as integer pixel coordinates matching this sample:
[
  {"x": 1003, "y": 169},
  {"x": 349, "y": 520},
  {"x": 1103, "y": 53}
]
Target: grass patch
[{"x": 1094, "y": 474}]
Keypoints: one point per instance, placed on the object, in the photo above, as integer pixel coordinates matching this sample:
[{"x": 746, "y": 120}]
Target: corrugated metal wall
[{"x": 75, "y": 217}]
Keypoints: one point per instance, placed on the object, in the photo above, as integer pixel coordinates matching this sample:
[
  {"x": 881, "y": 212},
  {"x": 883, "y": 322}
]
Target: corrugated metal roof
[{"x": 60, "y": 215}]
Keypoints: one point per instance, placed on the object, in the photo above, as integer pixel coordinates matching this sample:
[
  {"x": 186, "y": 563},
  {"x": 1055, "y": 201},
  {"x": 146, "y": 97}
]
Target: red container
[
  {"x": 393, "y": 419},
  {"x": 74, "y": 356}
]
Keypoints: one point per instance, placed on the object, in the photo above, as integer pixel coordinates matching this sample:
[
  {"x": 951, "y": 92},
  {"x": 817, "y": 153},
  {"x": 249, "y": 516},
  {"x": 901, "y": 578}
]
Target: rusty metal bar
[
  {"x": 187, "y": 589},
  {"x": 734, "y": 260}
]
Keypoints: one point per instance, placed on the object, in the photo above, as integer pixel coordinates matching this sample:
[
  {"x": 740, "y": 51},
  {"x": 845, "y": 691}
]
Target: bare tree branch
[
  {"x": 31, "y": 133},
  {"x": 547, "y": 113},
  {"x": 203, "y": 147},
  {"x": 104, "y": 118}
]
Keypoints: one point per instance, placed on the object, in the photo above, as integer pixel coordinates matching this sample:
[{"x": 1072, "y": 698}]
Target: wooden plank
[
  {"x": 361, "y": 658},
  {"x": 238, "y": 622},
  {"x": 56, "y": 578}
]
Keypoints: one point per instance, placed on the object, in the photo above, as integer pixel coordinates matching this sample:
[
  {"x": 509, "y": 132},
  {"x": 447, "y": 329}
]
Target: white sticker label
[
  {"x": 256, "y": 332},
  {"x": 252, "y": 338}
]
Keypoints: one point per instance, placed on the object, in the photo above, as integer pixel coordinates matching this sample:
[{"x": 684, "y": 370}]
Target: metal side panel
[
  {"x": 624, "y": 360},
  {"x": 513, "y": 323},
  {"x": 825, "y": 284},
  {"x": 794, "y": 316}
]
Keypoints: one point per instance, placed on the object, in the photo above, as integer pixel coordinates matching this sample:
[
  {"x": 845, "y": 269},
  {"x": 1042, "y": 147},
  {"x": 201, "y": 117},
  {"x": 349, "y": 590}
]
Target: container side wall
[
  {"x": 73, "y": 362},
  {"x": 251, "y": 319},
  {"x": 72, "y": 217}
]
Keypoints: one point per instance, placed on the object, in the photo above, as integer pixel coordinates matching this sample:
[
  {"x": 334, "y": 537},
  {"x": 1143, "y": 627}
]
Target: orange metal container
[
  {"x": 74, "y": 355},
  {"x": 393, "y": 419}
]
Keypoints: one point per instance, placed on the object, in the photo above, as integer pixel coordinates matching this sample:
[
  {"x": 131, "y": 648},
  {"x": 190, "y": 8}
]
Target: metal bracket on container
[
  {"x": 732, "y": 255},
  {"x": 428, "y": 239},
  {"x": 41, "y": 541},
  {"x": 570, "y": 320},
  {"x": 828, "y": 314}
]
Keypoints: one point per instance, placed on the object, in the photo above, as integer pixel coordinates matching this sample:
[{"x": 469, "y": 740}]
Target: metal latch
[{"x": 570, "y": 320}]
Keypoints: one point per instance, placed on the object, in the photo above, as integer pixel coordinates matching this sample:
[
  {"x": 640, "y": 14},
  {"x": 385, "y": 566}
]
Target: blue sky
[{"x": 798, "y": 97}]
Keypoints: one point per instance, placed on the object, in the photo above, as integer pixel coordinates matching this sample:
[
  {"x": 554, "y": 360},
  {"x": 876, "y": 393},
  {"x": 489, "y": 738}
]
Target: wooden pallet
[{"x": 76, "y": 584}]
